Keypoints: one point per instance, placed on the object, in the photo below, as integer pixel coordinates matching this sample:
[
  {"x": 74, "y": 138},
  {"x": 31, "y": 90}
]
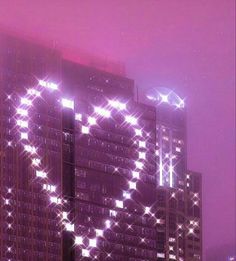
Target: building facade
[{"x": 87, "y": 172}]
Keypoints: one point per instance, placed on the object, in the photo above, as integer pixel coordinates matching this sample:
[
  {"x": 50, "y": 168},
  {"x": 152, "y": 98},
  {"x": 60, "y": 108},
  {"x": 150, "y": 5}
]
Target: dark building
[{"x": 87, "y": 172}]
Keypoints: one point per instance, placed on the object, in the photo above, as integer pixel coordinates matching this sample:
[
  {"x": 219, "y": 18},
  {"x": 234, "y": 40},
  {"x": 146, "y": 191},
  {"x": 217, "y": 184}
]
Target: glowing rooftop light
[
  {"x": 22, "y": 124},
  {"x": 33, "y": 92},
  {"x": 102, "y": 112},
  {"x": 26, "y": 101},
  {"x": 49, "y": 85},
  {"x": 181, "y": 104},
  {"x": 24, "y": 135},
  {"x": 164, "y": 98},
  {"x": 92, "y": 120},
  {"x": 164, "y": 95},
  {"x": 92, "y": 242},
  {"x": 67, "y": 103},
  {"x": 85, "y": 252},
  {"x": 78, "y": 240},
  {"x": 119, "y": 204},
  {"x": 85, "y": 130},
  {"x": 132, "y": 185},
  {"x": 22, "y": 112},
  {"x": 131, "y": 119},
  {"x": 41, "y": 174},
  {"x": 118, "y": 105}
]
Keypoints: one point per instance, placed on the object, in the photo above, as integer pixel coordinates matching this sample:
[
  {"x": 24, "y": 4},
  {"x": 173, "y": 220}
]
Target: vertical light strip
[
  {"x": 160, "y": 158},
  {"x": 171, "y": 163}
]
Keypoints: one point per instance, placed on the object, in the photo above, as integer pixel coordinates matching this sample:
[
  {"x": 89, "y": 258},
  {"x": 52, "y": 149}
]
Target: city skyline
[{"x": 75, "y": 149}]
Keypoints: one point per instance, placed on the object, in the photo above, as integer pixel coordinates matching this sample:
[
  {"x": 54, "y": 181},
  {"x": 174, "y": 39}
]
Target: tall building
[{"x": 87, "y": 172}]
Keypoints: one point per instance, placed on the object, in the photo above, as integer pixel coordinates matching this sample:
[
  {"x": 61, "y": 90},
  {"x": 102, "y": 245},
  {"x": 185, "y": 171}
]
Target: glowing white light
[
  {"x": 24, "y": 135},
  {"x": 92, "y": 242},
  {"x": 132, "y": 185},
  {"x": 26, "y": 101},
  {"x": 135, "y": 174},
  {"x": 41, "y": 174},
  {"x": 139, "y": 164},
  {"x": 33, "y": 92},
  {"x": 64, "y": 215},
  {"x": 181, "y": 104},
  {"x": 172, "y": 256},
  {"x": 103, "y": 112},
  {"x": 161, "y": 172},
  {"x": 30, "y": 149},
  {"x": 36, "y": 161},
  {"x": 85, "y": 130},
  {"x": 119, "y": 204},
  {"x": 49, "y": 85},
  {"x": 85, "y": 252},
  {"x": 138, "y": 132},
  {"x": 22, "y": 124},
  {"x": 22, "y": 112},
  {"x": 67, "y": 103},
  {"x": 78, "y": 240},
  {"x": 178, "y": 149},
  {"x": 142, "y": 155},
  {"x": 70, "y": 227},
  {"x": 130, "y": 119},
  {"x": 113, "y": 213},
  {"x": 191, "y": 231},
  {"x": 161, "y": 255},
  {"x": 57, "y": 201},
  {"x": 126, "y": 195},
  {"x": 147, "y": 210},
  {"x": 99, "y": 232},
  {"x": 92, "y": 120},
  {"x": 164, "y": 98},
  {"x": 6, "y": 201},
  {"x": 78, "y": 117},
  {"x": 48, "y": 187},
  {"x": 171, "y": 169},
  {"x": 108, "y": 223},
  {"x": 117, "y": 105},
  {"x": 142, "y": 144}
]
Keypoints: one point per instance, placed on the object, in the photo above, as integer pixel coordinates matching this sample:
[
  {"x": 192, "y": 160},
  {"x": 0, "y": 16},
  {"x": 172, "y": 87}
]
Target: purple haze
[{"x": 184, "y": 45}]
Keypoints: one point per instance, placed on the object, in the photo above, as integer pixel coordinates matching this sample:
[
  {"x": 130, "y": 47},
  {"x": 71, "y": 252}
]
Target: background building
[{"x": 87, "y": 172}]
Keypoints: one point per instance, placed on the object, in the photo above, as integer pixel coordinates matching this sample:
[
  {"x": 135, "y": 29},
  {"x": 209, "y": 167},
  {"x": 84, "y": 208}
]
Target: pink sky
[{"x": 184, "y": 45}]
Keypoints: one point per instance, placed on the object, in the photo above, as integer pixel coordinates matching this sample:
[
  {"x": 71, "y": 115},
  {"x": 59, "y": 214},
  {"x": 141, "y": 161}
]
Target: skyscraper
[{"x": 87, "y": 172}]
